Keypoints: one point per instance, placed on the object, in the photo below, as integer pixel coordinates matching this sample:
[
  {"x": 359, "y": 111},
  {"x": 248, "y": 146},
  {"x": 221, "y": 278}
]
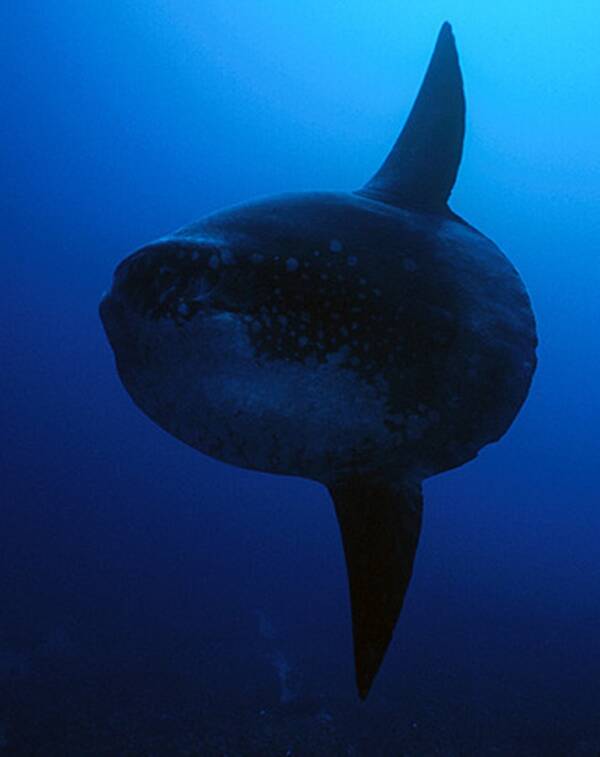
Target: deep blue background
[{"x": 120, "y": 546}]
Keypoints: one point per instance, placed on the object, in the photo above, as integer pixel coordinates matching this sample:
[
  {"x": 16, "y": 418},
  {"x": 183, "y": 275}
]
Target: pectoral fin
[{"x": 380, "y": 525}]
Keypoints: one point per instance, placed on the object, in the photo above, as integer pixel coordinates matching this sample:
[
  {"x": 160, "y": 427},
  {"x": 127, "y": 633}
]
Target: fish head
[{"x": 247, "y": 347}]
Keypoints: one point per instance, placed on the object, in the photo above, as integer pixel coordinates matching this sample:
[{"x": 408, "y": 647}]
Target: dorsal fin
[
  {"x": 421, "y": 168},
  {"x": 380, "y": 525}
]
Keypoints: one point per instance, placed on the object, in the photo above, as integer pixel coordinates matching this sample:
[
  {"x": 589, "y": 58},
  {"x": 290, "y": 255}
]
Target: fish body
[{"x": 366, "y": 340}]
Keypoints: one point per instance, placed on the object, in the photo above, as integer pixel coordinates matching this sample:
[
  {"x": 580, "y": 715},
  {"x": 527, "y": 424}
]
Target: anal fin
[{"x": 380, "y": 525}]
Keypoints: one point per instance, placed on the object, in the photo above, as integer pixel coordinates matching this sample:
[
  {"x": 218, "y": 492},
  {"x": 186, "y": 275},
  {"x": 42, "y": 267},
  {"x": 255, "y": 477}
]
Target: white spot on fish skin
[
  {"x": 352, "y": 260},
  {"x": 291, "y": 265},
  {"x": 303, "y": 341},
  {"x": 316, "y": 253},
  {"x": 214, "y": 262},
  {"x": 409, "y": 265},
  {"x": 335, "y": 245},
  {"x": 183, "y": 308}
]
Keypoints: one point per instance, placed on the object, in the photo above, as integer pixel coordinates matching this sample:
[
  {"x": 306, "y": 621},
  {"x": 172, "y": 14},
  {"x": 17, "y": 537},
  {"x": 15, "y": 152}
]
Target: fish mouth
[
  {"x": 113, "y": 317},
  {"x": 120, "y": 326}
]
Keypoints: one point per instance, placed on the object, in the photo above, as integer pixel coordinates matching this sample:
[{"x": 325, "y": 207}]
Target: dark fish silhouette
[{"x": 366, "y": 340}]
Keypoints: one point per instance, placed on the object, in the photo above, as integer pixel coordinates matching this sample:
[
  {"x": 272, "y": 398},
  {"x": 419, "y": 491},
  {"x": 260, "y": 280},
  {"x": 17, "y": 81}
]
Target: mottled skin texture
[
  {"x": 398, "y": 340},
  {"x": 365, "y": 340}
]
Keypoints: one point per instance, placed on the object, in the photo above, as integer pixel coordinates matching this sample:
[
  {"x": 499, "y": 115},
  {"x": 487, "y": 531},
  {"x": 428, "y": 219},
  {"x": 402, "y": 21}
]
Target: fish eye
[
  {"x": 187, "y": 291},
  {"x": 169, "y": 282}
]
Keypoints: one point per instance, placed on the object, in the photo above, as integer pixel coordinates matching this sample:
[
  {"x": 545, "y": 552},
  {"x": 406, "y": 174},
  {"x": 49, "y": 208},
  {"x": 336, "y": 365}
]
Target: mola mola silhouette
[{"x": 366, "y": 340}]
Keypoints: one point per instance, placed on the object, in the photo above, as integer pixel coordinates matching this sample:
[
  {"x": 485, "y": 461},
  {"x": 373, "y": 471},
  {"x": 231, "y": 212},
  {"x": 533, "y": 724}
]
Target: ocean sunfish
[{"x": 366, "y": 340}]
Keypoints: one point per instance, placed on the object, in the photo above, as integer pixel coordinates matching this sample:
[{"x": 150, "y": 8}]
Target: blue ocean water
[{"x": 154, "y": 601}]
